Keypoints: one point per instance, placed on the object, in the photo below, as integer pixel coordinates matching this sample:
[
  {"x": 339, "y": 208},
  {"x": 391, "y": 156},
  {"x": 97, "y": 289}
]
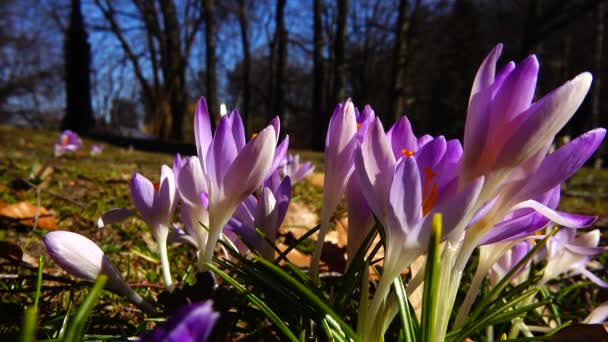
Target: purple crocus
[
  {"x": 504, "y": 128},
  {"x": 360, "y": 216},
  {"x": 82, "y": 258},
  {"x": 156, "y": 204},
  {"x": 265, "y": 213},
  {"x": 191, "y": 184},
  {"x": 404, "y": 193},
  {"x": 233, "y": 168},
  {"x": 507, "y": 261},
  {"x": 191, "y": 323},
  {"x": 569, "y": 252},
  {"x": 296, "y": 170},
  {"x": 340, "y": 144},
  {"x": 68, "y": 141},
  {"x": 96, "y": 149}
]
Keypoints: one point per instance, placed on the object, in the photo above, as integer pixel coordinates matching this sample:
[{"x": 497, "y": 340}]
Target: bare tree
[
  {"x": 168, "y": 43},
  {"x": 339, "y": 43},
  {"x": 400, "y": 55},
  {"x": 280, "y": 42},
  {"x": 211, "y": 72},
  {"x": 318, "y": 122},
  {"x": 244, "y": 25}
]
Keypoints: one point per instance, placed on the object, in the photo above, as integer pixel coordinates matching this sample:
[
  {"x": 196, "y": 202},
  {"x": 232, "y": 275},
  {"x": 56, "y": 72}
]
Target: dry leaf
[
  {"x": 10, "y": 251},
  {"x": 296, "y": 257},
  {"x": 316, "y": 179},
  {"x": 581, "y": 332},
  {"x": 25, "y": 212}
]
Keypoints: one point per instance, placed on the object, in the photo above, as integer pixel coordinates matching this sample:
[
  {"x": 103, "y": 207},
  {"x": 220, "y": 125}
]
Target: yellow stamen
[
  {"x": 407, "y": 153},
  {"x": 254, "y": 135}
]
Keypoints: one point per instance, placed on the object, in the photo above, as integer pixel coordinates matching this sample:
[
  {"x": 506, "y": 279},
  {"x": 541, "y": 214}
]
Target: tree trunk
[
  {"x": 173, "y": 68},
  {"x": 77, "y": 54},
  {"x": 319, "y": 117},
  {"x": 339, "y": 65},
  {"x": 244, "y": 23},
  {"x": 278, "y": 93},
  {"x": 211, "y": 80},
  {"x": 400, "y": 54}
]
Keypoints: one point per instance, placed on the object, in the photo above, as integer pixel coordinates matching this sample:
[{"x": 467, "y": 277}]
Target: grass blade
[
  {"x": 431, "y": 283},
  {"x": 410, "y": 333},
  {"x": 77, "y": 325},
  {"x": 253, "y": 299}
]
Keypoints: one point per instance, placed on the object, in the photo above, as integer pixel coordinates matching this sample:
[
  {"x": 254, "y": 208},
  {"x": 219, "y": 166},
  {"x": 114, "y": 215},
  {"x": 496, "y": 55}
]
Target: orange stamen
[
  {"x": 429, "y": 199},
  {"x": 65, "y": 140},
  {"x": 254, "y": 135},
  {"x": 430, "y": 195},
  {"x": 156, "y": 186},
  {"x": 407, "y": 153},
  {"x": 358, "y": 126}
]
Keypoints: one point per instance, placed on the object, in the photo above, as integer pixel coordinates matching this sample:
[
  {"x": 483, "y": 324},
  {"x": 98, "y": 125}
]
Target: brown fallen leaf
[
  {"x": 581, "y": 332},
  {"x": 25, "y": 212},
  {"x": 296, "y": 257},
  {"x": 10, "y": 251}
]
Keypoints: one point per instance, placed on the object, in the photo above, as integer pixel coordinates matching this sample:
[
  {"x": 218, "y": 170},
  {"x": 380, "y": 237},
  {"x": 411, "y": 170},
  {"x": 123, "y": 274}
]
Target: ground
[{"x": 71, "y": 192}]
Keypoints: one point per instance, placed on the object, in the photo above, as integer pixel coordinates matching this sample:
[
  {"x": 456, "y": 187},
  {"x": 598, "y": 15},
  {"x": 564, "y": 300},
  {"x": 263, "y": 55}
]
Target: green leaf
[
  {"x": 431, "y": 283},
  {"x": 308, "y": 294},
  {"x": 75, "y": 330},
  {"x": 409, "y": 322},
  {"x": 253, "y": 299},
  {"x": 308, "y": 234}
]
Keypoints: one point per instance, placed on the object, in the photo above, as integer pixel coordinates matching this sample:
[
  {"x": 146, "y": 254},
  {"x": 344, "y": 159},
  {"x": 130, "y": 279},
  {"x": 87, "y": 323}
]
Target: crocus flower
[
  {"x": 82, "y": 258},
  {"x": 266, "y": 213},
  {"x": 191, "y": 184},
  {"x": 569, "y": 252},
  {"x": 233, "y": 168},
  {"x": 340, "y": 144},
  {"x": 68, "y": 141},
  {"x": 360, "y": 216},
  {"x": 96, "y": 149},
  {"x": 404, "y": 194},
  {"x": 503, "y": 127},
  {"x": 296, "y": 170},
  {"x": 191, "y": 323},
  {"x": 156, "y": 204},
  {"x": 507, "y": 261}
]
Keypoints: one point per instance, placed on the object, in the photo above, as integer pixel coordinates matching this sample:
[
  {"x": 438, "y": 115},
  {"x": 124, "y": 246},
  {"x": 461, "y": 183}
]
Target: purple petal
[
  {"x": 512, "y": 99},
  {"x": 191, "y": 181},
  {"x": 401, "y": 137},
  {"x": 544, "y": 119},
  {"x": 251, "y": 166},
  {"x": 238, "y": 130},
  {"x": 142, "y": 194},
  {"x": 193, "y": 322},
  {"x": 561, "y": 164},
  {"x": 279, "y": 154},
  {"x": 202, "y": 129},
  {"x": 405, "y": 198},
  {"x": 453, "y": 210},
  {"x": 560, "y": 218},
  {"x": 477, "y": 121},
  {"x": 222, "y": 150},
  {"x": 113, "y": 216},
  {"x": 164, "y": 201},
  {"x": 374, "y": 164},
  {"x": 340, "y": 145}
]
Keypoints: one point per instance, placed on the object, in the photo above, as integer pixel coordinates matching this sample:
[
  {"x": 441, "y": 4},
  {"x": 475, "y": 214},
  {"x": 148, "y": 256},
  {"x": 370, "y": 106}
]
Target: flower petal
[
  {"x": 202, "y": 129},
  {"x": 544, "y": 119}
]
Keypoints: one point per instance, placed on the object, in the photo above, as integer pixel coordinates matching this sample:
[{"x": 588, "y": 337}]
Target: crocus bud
[{"x": 82, "y": 258}]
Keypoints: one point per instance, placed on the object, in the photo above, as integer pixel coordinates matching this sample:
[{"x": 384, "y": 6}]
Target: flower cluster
[
  {"x": 494, "y": 192},
  {"x": 68, "y": 142}
]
